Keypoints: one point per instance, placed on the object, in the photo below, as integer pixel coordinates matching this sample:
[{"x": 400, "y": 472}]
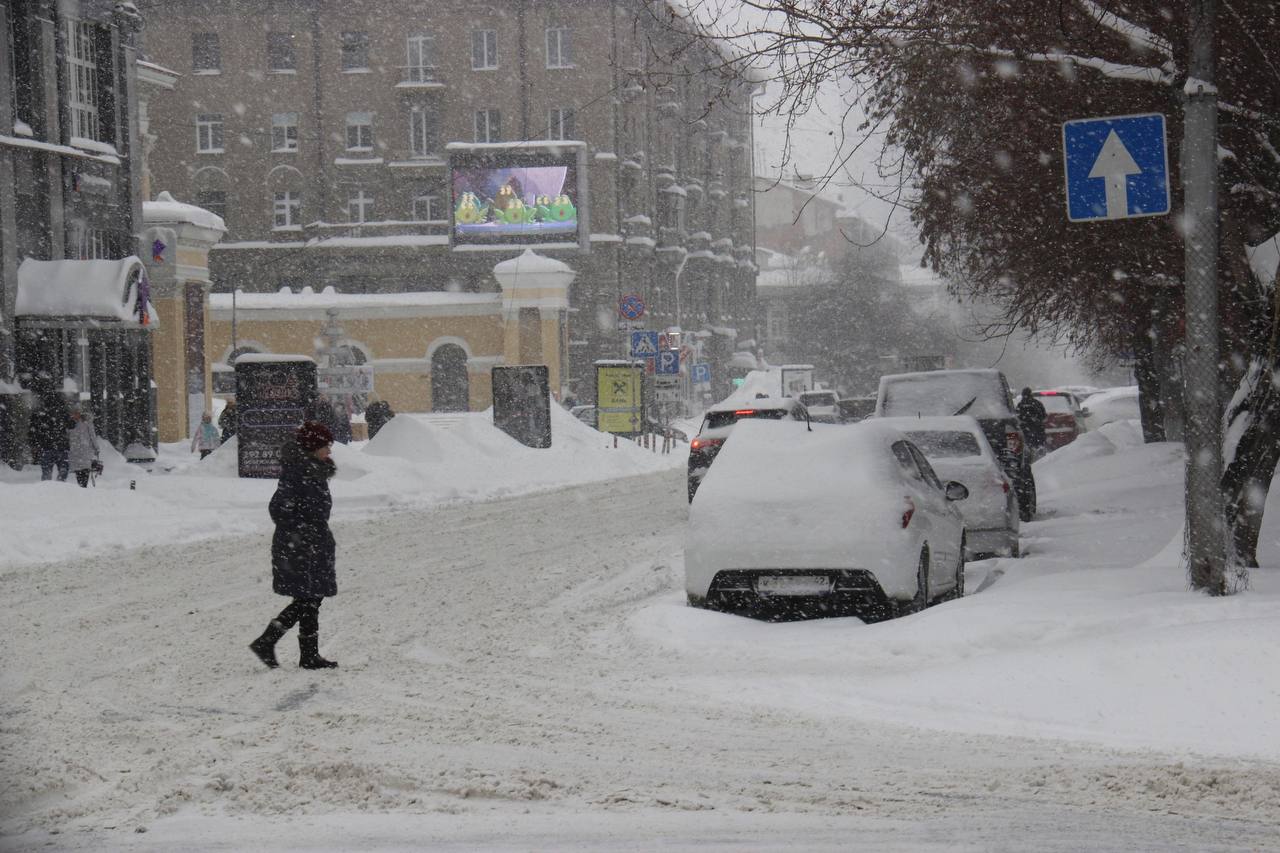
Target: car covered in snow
[
  {"x": 719, "y": 421},
  {"x": 826, "y": 519},
  {"x": 821, "y": 406},
  {"x": 958, "y": 450},
  {"x": 982, "y": 394},
  {"x": 1112, "y": 404}
]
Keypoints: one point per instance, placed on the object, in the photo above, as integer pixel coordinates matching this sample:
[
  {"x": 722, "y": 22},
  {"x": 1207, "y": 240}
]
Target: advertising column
[{"x": 271, "y": 396}]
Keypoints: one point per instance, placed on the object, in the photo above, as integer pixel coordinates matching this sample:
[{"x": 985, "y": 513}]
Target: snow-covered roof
[
  {"x": 530, "y": 262},
  {"x": 99, "y": 289},
  {"x": 167, "y": 209}
]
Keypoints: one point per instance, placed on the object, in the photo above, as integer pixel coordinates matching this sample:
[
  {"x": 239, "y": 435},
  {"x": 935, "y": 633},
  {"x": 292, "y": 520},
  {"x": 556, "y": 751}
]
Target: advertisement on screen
[{"x": 514, "y": 196}]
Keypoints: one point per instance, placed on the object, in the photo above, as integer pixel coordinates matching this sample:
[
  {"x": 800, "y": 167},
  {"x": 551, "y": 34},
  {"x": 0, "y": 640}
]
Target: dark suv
[
  {"x": 720, "y": 419},
  {"x": 981, "y": 394}
]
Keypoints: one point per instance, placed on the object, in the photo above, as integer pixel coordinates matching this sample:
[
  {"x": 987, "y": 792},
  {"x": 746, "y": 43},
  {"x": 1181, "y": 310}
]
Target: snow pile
[
  {"x": 1113, "y": 404},
  {"x": 413, "y": 462}
]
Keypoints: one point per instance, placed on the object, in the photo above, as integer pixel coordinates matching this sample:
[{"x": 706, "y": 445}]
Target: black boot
[
  {"x": 309, "y": 644},
  {"x": 265, "y": 646}
]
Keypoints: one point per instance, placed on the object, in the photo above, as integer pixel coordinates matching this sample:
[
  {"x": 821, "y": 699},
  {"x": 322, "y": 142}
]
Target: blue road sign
[
  {"x": 668, "y": 363},
  {"x": 631, "y": 307},
  {"x": 1116, "y": 168},
  {"x": 700, "y": 374},
  {"x": 644, "y": 344}
]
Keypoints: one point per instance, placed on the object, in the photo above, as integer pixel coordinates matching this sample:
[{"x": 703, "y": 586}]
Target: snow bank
[{"x": 413, "y": 462}]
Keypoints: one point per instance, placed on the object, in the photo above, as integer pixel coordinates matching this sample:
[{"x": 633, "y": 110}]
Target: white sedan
[
  {"x": 826, "y": 518},
  {"x": 958, "y": 450}
]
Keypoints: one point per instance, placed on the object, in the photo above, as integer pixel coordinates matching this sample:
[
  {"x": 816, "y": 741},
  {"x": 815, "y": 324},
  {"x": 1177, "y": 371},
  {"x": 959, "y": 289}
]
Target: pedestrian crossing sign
[{"x": 644, "y": 344}]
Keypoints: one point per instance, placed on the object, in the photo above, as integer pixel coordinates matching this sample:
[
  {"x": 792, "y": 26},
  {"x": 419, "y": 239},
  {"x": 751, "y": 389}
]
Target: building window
[
  {"x": 484, "y": 50},
  {"x": 359, "y": 131},
  {"x": 488, "y": 126},
  {"x": 428, "y": 207},
  {"x": 284, "y": 132},
  {"x": 280, "y": 52},
  {"x": 214, "y": 201},
  {"x": 82, "y": 79},
  {"x": 89, "y": 244},
  {"x": 206, "y": 52},
  {"x": 355, "y": 51},
  {"x": 424, "y": 130},
  {"x": 559, "y": 47},
  {"x": 560, "y": 124},
  {"x": 420, "y": 64},
  {"x": 359, "y": 206},
  {"x": 287, "y": 207},
  {"x": 209, "y": 133}
]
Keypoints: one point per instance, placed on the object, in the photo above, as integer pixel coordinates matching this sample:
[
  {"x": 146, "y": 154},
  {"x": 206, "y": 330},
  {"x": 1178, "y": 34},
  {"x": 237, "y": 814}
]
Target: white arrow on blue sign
[
  {"x": 644, "y": 344},
  {"x": 1116, "y": 167},
  {"x": 700, "y": 374},
  {"x": 668, "y": 363}
]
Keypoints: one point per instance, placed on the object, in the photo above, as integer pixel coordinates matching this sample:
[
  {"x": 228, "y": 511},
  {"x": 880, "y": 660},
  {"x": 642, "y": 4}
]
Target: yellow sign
[{"x": 619, "y": 403}]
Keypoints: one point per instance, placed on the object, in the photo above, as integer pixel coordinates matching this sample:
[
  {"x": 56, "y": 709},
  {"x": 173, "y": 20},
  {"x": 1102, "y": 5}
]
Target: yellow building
[{"x": 429, "y": 351}]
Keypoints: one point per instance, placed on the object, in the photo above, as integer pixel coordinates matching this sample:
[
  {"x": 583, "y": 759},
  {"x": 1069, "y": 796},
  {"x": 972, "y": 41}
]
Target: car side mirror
[
  {"x": 1084, "y": 412},
  {"x": 956, "y": 491}
]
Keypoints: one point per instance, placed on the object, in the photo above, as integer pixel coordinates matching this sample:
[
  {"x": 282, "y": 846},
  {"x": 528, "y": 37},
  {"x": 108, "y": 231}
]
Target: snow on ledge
[
  {"x": 103, "y": 289},
  {"x": 271, "y": 358}
]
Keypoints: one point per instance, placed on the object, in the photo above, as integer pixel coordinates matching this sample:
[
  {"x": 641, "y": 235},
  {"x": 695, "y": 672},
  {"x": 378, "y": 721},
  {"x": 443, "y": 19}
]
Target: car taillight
[
  {"x": 909, "y": 511},
  {"x": 702, "y": 443},
  {"x": 1013, "y": 439}
]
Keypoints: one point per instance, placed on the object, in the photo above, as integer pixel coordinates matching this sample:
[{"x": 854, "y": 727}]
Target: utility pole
[{"x": 1206, "y": 550}]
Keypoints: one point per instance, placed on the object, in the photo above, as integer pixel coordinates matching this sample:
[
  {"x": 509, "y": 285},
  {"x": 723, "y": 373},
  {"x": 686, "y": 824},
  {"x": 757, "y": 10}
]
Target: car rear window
[
  {"x": 937, "y": 444},
  {"x": 818, "y": 399},
  {"x": 945, "y": 394},
  {"x": 715, "y": 420},
  {"x": 1056, "y": 404}
]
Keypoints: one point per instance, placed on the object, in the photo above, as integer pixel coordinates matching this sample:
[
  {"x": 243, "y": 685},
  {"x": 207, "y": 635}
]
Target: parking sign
[{"x": 667, "y": 363}]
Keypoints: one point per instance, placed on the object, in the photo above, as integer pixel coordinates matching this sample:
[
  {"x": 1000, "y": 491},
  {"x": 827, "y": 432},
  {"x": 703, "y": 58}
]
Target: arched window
[{"x": 450, "y": 388}]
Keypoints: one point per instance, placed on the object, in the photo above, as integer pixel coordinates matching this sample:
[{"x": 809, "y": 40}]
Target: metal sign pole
[{"x": 1206, "y": 550}]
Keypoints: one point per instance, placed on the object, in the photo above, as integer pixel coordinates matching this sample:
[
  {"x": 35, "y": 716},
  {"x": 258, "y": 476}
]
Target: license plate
[{"x": 793, "y": 584}]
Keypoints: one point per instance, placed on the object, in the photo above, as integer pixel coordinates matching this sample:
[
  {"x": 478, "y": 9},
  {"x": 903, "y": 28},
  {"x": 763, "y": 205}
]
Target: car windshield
[
  {"x": 945, "y": 394},
  {"x": 715, "y": 420},
  {"x": 937, "y": 444},
  {"x": 1056, "y": 403}
]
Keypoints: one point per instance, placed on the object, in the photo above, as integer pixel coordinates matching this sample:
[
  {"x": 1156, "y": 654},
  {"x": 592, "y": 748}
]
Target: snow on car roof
[
  {"x": 756, "y": 403},
  {"x": 944, "y": 392}
]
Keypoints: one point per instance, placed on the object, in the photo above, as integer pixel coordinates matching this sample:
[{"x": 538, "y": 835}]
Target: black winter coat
[
  {"x": 49, "y": 427},
  {"x": 302, "y": 550},
  {"x": 377, "y": 415},
  {"x": 1031, "y": 415}
]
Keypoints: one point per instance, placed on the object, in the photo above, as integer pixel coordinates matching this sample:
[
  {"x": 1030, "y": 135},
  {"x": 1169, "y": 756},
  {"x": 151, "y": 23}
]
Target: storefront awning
[{"x": 98, "y": 291}]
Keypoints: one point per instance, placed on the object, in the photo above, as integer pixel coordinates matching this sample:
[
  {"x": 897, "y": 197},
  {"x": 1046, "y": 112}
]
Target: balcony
[{"x": 419, "y": 77}]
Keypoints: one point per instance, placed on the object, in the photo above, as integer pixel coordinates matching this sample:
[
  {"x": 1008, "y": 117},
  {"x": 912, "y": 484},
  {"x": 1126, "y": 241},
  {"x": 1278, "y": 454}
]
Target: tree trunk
[
  {"x": 1248, "y": 474},
  {"x": 1146, "y": 369}
]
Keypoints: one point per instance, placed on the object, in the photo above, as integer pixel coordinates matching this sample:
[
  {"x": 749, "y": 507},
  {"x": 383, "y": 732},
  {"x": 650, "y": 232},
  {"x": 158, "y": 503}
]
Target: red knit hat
[{"x": 313, "y": 435}]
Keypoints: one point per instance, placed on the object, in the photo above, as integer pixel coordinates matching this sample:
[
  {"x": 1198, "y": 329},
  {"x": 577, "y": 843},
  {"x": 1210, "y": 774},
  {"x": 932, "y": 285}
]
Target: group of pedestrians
[{"x": 63, "y": 439}]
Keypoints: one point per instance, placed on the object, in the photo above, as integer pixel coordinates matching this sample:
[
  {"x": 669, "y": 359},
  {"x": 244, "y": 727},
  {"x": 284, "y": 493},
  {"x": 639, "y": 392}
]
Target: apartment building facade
[
  {"x": 322, "y": 133},
  {"x": 74, "y": 313}
]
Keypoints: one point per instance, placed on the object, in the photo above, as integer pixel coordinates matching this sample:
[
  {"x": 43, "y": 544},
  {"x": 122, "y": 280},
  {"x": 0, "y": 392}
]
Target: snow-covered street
[{"x": 523, "y": 674}]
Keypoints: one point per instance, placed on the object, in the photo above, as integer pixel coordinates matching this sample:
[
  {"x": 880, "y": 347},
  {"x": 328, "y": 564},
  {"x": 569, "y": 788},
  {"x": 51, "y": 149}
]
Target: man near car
[{"x": 1031, "y": 415}]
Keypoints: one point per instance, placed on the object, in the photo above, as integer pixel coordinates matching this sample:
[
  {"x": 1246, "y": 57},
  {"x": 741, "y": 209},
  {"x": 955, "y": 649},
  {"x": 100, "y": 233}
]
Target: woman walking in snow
[
  {"x": 83, "y": 443},
  {"x": 206, "y": 439},
  {"x": 302, "y": 550}
]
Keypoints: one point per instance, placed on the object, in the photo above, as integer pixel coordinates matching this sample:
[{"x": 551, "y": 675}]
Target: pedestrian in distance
[
  {"x": 48, "y": 436},
  {"x": 229, "y": 421},
  {"x": 377, "y": 414},
  {"x": 302, "y": 549},
  {"x": 82, "y": 440},
  {"x": 1031, "y": 415},
  {"x": 206, "y": 438},
  {"x": 341, "y": 425}
]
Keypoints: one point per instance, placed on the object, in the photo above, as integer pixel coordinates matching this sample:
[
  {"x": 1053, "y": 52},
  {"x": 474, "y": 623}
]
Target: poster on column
[
  {"x": 271, "y": 398},
  {"x": 522, "y": 403}
]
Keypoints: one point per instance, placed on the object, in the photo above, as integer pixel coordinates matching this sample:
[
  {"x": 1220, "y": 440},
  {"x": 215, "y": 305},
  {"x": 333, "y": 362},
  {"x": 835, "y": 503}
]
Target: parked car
[
  {"x": 983, "y": 394},
  {"x": 1063, "y": 422},
  {"x": 719, "y": 421},
  {"x": 829, "y": 520},
  {"x": 1112, "y": 404},
  {"x": 855, "y": 409},
  {"x": 958, "y": 450},
  {"x": 821, "y": 406}
]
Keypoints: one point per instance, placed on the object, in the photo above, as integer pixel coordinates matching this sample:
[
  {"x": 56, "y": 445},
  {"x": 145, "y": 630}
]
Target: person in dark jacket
[
  {"x": 229, "y": 421},
  {"x": 302, "y": 550},
  {"x": 50, "y": 442},
  {"x": 377, "y": 414},
  {"x": 1031, "y": 417}
]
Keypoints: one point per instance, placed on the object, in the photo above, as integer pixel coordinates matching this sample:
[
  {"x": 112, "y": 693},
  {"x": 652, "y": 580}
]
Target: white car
[
  {"x": 958, "y": 450},
  {"x": 1113, "y": 404},
  {"x": 829, "y": 518},
  {"x": 822, "y": 406}
]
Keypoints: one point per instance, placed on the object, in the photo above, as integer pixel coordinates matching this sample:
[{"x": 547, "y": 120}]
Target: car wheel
[
  {"x": 921, "y": 601},
  {"x": 1027, "y": 497}
]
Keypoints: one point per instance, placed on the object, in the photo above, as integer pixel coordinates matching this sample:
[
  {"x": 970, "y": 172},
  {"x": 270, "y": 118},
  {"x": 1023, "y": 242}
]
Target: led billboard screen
[{"x": 510, "y": 196}]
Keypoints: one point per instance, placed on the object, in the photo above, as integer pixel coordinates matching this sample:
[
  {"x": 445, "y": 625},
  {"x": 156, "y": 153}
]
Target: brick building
[{"x": 321, "y": 132}]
